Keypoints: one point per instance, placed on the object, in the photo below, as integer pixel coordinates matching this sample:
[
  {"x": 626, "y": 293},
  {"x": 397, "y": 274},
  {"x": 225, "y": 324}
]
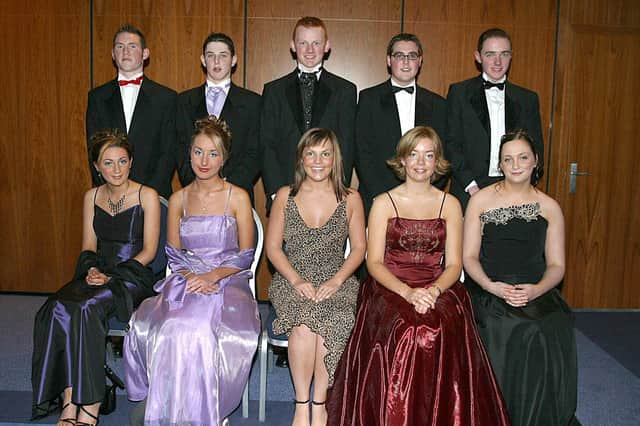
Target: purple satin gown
[{"x": 190, "y": 354}]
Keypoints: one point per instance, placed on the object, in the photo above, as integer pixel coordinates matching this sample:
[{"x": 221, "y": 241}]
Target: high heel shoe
[
  {"x": 69, "y": 420},
  {"x": 88, "y": 414}
]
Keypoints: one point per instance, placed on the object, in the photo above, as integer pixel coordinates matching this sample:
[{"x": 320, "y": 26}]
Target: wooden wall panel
[
  {"x": 596, "y": 116},
  {"x": 45, "y": 60},
  {"x": 449, "y": 31},
  {"x": 358, "y": 31},
  {"x": 174, "y": 31}
]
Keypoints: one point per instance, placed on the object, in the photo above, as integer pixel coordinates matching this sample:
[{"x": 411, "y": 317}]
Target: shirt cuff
[{"x": 471, "y": 185}]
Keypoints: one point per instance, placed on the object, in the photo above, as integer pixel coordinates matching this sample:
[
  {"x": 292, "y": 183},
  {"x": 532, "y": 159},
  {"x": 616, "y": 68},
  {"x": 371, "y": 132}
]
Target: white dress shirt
[
  {"x": 406, "y": 106},
  {"x": 129, "y": 96}
]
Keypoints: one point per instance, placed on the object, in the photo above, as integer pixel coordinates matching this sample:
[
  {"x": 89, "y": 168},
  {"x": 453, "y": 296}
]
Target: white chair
[
  {"x": 267, "y": 340},
  {"x": 259, "y": 230}
]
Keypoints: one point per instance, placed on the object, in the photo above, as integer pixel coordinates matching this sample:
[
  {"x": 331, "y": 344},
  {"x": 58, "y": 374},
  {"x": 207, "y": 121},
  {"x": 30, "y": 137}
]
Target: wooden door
[{"x": 596, "y": 116}]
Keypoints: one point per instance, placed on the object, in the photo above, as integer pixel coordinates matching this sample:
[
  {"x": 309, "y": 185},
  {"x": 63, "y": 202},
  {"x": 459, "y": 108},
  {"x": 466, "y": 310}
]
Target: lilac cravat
[{"x": 215, "y": 100}]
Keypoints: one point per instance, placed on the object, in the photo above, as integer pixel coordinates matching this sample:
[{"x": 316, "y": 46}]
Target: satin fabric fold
[
  {"x": 190, "y": 354},
  {"x": 70, "y": 328},
  {"x": 405, "y": 368}
]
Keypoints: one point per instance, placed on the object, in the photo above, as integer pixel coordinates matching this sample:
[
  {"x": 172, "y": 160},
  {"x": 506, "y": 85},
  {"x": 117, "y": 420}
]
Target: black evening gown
[
  {"x": 70, "y": 328},
  {"x": 532, "y": 349}
]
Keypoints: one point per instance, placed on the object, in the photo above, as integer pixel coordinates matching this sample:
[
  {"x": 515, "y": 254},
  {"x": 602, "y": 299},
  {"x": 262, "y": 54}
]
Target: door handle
[{"x": 573, "y": 173}]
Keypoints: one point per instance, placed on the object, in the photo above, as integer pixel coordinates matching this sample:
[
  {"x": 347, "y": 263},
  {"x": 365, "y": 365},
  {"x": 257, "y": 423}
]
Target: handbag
[{"x": 108, "y": 405}]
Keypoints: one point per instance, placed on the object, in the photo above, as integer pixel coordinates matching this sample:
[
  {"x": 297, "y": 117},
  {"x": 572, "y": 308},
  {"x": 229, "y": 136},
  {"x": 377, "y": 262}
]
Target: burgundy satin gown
[{"x": 405, "y": 368}]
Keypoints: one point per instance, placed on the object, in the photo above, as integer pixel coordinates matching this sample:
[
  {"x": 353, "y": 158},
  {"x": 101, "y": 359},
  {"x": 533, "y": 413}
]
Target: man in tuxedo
[
  {"x": 389, "y": 110},
  {"x": 218, "y": 96},
  {"x": 139, "y": 106},
  {"x": 309, "y": 96},
  {"x": 482, "y": 109}
]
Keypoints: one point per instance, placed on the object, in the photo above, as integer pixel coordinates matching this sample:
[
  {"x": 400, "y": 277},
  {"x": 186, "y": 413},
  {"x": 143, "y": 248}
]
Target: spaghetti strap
[
  {"x": 184, "y": 195},
  {"x": 95, "y": 195},
  {"x": 140, "y": 196},
  {"x": 394, "y": 204},
  {"x": 442, "y": 205},
  {"x": 226, "y": 205}
]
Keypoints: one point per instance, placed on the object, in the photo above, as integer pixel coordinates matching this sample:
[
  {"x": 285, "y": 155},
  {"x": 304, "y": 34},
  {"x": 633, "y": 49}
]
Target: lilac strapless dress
[{"x": 190, "y": 354}]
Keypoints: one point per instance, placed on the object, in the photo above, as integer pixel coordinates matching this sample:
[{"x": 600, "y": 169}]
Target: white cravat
[
  {"x": 406, "y": 106},
  {"x": 129, "y": 96}
]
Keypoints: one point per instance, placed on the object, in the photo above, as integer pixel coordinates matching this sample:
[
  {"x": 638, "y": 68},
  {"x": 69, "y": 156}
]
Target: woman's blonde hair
[{"x": 409, "y": 141}]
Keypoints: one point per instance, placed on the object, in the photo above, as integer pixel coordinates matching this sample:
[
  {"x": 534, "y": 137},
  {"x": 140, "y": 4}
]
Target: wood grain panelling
[
  {"x": 45, "y": 60},
  {"x": 449, "y": 31},
  {"x": 596, "y": 116},
  {"x": 358, "y": 32},
  {"x": 174, "y": 31}
]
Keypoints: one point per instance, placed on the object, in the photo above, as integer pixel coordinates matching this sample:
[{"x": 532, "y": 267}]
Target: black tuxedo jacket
[
  {"x": 241, "y": 111},
  {"x": 152, "y": 133},
  {"x": 468, "y": 141},
  {"x": 378, "y": 132},
  {"x": 282, "y": 124}
]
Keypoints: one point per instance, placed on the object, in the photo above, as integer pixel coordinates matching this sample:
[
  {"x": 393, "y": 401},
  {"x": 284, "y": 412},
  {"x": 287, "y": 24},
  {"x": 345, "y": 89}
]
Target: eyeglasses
[{"x": 399, "y": 56}]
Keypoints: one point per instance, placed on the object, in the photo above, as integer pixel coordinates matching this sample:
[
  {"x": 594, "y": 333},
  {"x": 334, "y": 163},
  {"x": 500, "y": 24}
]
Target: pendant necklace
[
  {"x": 204, "y": 197},
  {"x": 116, "y": 207}
]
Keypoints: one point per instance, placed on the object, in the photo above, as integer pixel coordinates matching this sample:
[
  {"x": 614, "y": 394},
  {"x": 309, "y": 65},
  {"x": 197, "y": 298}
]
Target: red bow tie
[{"x": 135, "y": 81}]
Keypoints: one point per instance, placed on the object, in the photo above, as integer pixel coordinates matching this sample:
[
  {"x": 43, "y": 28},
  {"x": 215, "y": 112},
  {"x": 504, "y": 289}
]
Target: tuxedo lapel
[
  {"x": 320, "y": 100},
  {"x": 389, "y": 108},
  {"x": 114, "y": 104},
  {"x": 424, "y": 108},
  {"x": 511, "y": 110},
  {"x": 199, "y": 103},
  {"x": 141, "y": 110},
  {"x": 292, "y": 89},
  {"x": 478, "y": 102},
  {"x": 229, "y": 109}
]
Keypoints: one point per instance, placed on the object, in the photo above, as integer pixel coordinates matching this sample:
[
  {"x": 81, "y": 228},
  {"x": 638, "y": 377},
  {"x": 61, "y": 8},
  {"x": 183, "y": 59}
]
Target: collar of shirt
[
  {"x": 317, "y": 70},
  {"x": 412, "y": 84},
  {"x": 502, "y": 80},
  {"x": 224, "y": 85},
  {"x": 133, "y": 77}
]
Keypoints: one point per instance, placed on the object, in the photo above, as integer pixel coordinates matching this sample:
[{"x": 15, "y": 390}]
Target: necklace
[
  {"x": 203, "y": 197},
  {"x": 116, "y": 207}
]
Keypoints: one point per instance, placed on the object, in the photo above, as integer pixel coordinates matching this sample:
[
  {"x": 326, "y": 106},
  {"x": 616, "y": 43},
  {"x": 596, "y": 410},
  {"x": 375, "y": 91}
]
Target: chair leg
[
  {"x": 263, "y": 377},
  {"x": 271, "y": 359},
  {"x": 245, "y": 401}
]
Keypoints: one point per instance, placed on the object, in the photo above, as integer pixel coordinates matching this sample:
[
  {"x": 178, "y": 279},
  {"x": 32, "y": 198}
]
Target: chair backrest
[
  {"x": 347, "y": 248},
  {"x": 160, "y": 261},
  {"x": 259, "y": 236}
]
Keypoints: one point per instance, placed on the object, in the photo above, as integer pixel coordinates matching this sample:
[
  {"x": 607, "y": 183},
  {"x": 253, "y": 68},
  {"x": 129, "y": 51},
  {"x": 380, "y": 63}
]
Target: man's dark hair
[
  {"x": 131, "y": 29},
  {"x": 222, "y": 38},
  {"x": 491, "y": 33},
  {"x": 404, "y": 37}
]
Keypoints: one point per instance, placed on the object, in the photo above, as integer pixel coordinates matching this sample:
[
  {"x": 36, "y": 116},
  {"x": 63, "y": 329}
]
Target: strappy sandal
[
  {"x": 69, "y": 420},
  {"x": 318, "y": 403},
  {"x": 88, "y": 414},
  {"x": 295, "y": 401}
]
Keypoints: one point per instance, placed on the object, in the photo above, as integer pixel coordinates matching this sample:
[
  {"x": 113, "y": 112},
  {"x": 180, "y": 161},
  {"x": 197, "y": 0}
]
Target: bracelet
[{"x": 437, "y": 288}]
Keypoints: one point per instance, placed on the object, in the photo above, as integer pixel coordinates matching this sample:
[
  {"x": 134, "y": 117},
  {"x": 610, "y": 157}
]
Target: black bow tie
[
  {"x": 396, "y": 89},
  {"x": 308, "y": 77},
  {"x": 488, "y": 85}
]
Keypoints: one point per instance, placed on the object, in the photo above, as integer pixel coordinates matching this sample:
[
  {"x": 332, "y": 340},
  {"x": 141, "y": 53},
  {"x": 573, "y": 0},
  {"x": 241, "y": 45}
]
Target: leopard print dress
[{"x": 316, "y": 254}]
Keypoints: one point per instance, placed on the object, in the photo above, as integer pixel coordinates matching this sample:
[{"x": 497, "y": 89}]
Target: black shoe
[{"x": 282, "y": 361}]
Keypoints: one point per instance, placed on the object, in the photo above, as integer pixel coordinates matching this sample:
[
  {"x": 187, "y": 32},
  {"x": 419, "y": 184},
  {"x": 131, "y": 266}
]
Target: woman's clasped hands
[{"x": 307, "y": 290}]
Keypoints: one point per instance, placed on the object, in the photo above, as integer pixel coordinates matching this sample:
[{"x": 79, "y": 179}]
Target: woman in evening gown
[
  {"x": 514, "y": 259},
  {"x": 313, "y": 290},
  {"x": 119, "y": 238},
  {"x": 189, "y": 350},
  {"x": 415, "y": 357}
]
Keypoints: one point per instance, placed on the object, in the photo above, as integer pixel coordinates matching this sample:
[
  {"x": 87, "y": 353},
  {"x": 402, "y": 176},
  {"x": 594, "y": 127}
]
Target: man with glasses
[
  {"x": 482, "y": 109},
  {"x": 389, "y": 110}
]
